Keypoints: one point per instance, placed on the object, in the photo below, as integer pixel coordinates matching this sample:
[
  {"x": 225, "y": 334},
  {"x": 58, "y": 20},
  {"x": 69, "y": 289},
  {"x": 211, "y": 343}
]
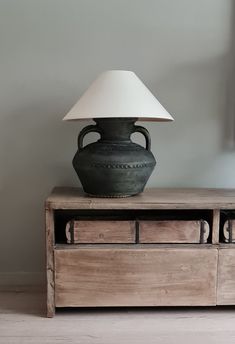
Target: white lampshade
[{"x": 118, "y": 93}]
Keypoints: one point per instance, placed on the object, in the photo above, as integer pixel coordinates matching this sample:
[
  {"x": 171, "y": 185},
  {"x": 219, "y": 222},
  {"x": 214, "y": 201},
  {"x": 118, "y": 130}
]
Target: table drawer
[
  {"x": 100, "y": 232},
  {"x": 173, "y": 232},
  {"x": 135, "y": 277}
]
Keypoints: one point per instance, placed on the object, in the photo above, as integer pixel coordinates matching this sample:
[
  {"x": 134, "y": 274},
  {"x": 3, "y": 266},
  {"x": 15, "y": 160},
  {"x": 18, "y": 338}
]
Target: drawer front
[
  {"x": 135, "y": 277},
  {"x": 226, "y": 277},
  {"x": 100, "y": 232},
  {"x": 173, "y": 232}
]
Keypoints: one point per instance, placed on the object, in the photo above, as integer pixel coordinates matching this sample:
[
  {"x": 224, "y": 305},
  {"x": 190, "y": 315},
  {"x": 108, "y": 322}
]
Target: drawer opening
[{"x": 62, "y": 217}]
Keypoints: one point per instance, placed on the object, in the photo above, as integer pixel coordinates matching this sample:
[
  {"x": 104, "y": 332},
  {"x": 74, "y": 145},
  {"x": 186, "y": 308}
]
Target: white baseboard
[{"x": 22, "y": 280}]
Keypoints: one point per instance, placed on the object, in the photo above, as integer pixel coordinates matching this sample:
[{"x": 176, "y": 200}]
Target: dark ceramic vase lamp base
[{"x": 114, "y": 166}]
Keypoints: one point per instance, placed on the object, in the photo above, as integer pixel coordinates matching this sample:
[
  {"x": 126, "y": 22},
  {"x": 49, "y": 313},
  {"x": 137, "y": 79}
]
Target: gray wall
[{"x": 50, "y": 51}]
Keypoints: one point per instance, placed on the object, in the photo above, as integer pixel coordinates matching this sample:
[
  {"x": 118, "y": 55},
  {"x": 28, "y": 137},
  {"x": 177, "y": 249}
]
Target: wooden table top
[{"x": 151, "y": 198}]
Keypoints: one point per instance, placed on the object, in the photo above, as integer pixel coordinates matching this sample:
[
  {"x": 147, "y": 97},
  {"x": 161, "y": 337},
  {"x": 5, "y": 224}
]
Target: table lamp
[{"x": 114, "y": 166}]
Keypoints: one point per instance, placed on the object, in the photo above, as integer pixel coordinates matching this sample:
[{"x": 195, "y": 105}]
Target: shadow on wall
[
  {"x": 34, "y": 157},
  {"x": 195, "y": 96}
]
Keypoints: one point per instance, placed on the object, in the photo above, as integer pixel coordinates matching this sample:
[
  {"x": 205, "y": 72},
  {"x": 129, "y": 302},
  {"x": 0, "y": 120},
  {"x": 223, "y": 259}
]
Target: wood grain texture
[
  {"x": 226, "y": 277},
  {"x": 137, "y": 246},
  {"x": 86, "y": 232},
  {"x": 74, "y": 198},
  {"x": 129, "y": 277},
  {"x": 141, "y": 274},
  {"x": 172, "y": 231},
  {"x": 50, "y": 263},
  {"x": 215, "y": 226}
]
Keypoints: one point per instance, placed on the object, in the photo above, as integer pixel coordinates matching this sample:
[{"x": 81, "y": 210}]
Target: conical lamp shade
[{"x": 118, "y": 93}]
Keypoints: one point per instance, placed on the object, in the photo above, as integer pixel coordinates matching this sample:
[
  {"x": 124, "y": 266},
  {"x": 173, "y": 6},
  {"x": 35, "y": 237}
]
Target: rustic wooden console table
[{"x": 165, "y": 247}]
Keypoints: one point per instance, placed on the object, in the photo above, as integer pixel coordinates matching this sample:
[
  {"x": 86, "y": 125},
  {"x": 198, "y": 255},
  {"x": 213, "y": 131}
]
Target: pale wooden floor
[{"x": 22, "y": 320}]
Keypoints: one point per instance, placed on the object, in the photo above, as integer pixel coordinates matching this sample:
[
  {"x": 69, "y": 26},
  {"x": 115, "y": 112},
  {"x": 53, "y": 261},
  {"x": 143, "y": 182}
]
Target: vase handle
[
  {"x": 144, "y": 131},
  {"x": 83, "y": 132}
]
